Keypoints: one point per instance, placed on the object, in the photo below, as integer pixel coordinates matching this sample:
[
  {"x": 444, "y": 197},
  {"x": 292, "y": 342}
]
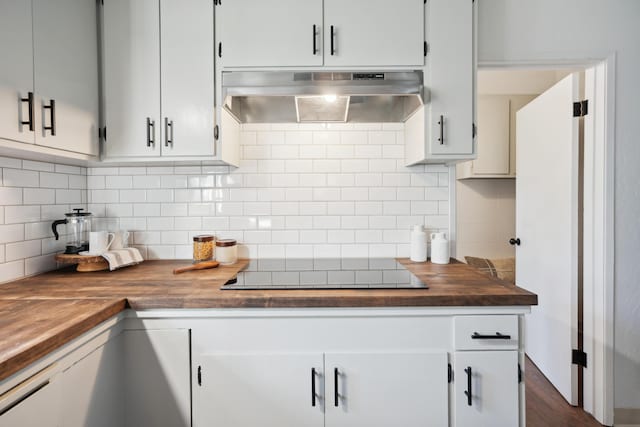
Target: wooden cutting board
[{"x": 85, "y": 262}]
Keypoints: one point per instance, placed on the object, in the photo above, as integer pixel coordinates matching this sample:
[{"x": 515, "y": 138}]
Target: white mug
[
  {"x": 100, "y": 241},
  {"x": 120, "y": 239}
]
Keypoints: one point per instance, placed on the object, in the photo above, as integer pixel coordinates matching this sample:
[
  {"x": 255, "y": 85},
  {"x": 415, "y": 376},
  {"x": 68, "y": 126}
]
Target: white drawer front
[{"x": 486, "y": 332}]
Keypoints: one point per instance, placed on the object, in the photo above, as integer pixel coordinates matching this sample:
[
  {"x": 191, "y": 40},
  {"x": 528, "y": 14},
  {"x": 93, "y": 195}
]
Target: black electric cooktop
[{"x": 325, "y": 273}]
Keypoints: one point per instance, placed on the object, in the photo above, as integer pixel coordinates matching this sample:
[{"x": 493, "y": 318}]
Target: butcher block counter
[{"x": 41, "y": 313}]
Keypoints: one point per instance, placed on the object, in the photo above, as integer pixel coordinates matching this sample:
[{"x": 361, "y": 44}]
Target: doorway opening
[{"x": 577, "y": 199}]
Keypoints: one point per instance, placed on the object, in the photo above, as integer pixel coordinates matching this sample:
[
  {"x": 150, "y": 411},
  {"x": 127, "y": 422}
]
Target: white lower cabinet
[
  {"x": 91, "y": 389},
  {"x": 33, "y": 403},
  {"x": 156, "y": 378},
  {"x": 406, "y": 389},
  {"x": 486, "y": 389},
  {"x": 331, "y": 389}
]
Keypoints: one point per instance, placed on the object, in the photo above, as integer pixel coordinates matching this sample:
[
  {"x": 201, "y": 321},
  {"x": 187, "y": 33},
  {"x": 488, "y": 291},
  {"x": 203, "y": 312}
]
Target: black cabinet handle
[
  {"x": 52, "y": 116},
  {"x": 216, "y": 132},
  {"x": 168, "y": 132},
  {"x": 315, "y": 47},
  {"x": 29, "y": 101},
  {"x": 441, "y": 123},
  {"x": 515, "y": 241},
  {"x": 333, "y": 49},
  {"x": 467, "y": 392},
  {"x": 497, "y": 336},
  {"x": 151, "y": 132},
  {"x": 336, "y": 395},
  {"x": 220, "y": 50},
  {"x": 313, "y": 386}
]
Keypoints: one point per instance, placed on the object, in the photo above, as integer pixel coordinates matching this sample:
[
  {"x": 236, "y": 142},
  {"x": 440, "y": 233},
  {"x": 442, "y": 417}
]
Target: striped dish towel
[{"x": 119, "y": 258}]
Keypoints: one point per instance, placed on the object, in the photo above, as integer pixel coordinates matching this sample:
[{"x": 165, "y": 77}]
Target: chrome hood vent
[{"x": 304, "y": 97}]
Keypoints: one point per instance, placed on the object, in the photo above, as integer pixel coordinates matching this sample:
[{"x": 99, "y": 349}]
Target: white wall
[
  {"x": 558, "y": 31},
  {"x": 300, "y": 191}
]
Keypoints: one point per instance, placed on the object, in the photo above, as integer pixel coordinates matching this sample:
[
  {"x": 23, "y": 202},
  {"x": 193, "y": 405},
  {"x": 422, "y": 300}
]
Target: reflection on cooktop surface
[{"x": 325, "y": 273}]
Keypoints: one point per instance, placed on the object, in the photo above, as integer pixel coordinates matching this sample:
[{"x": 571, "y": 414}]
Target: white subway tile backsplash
[
  {"x": 11, "y": 233},
  {"x": 134, "y": 196},
  {"x": 21, "y": 214},
  {"x": 146, "y": 181},
  {"x": 354, "y": 138},
  {"x": 56, "y": 180},
  {"x": 37, "y": 166},
  {"x": 69, "y": 197},
  {"x": 75, "y": 170},
  {"x": 39, "y": 196},
  {"x": 119, "y": 182},
  {"x": 11, "y": 270},
  {"x": 22, "y": 250},
  {"x": 10, "y": 196},
  {"x": 20, "y": 178},
  {"x": 8, "y": 162}
]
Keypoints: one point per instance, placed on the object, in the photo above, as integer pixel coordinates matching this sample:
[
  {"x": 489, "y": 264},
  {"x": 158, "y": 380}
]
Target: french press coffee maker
[{"x": 79, "y": 226}]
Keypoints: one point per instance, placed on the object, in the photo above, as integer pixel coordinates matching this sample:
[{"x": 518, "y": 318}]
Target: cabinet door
[
  {"x": 187, "y": 77},
  {"x": 451, "y": 67},
  {"x": 406, "y": 389},
  {"x": 494, "y": 389},
  {"x": 258, "y": 389},
  {"x": 374, "y": 32},
  {"x": 65, "y": 40},
  {"x": 16, "y": 73},
  {"x": 270, "y": 33},
  {"x": 131, "y": 49},
  {"x": 39, "y": 406},
  {"x": 493, "y": 136},
  {"x": 91, "y": 389},
  {"x": 157, "y": 378}
]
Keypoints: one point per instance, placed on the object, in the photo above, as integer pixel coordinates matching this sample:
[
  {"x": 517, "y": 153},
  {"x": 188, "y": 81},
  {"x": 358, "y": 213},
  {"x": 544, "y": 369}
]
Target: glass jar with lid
[{"x": 203, "y": 247}]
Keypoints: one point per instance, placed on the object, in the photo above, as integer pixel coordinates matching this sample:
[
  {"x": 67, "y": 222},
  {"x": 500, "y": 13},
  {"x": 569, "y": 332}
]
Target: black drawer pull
[
  {"x": 336, "y": 395},
  {"x": 313, "y": 386},
  {"x": 497, "y": 336},
  {"x": 29, "y": 101},
  {"x": 52, "y": 115},
  {"x": 467, "y": 392},
  {"x": 315, "y": 47},
  {"x": 333, "y": 36},
  {"x": 151, "y": 132}
]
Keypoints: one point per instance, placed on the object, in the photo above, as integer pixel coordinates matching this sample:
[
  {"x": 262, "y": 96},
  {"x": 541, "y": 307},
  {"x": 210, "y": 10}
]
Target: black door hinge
[
  {"x": 199, "y": 375},
  {"x": 581, "y": 108},
  {"x": 426, "y": 48},
  {"x": 519, "y": 374},
  {"x": 579, "y": 357},
  {"x": 449, "y": 373}
]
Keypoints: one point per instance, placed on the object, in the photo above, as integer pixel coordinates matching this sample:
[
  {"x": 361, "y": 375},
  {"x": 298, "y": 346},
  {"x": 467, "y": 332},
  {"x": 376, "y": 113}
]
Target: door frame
[{"x": 598, "y": 239}]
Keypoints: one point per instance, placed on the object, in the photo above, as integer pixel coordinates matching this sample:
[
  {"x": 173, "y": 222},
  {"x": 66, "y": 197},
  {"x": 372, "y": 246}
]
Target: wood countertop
[{"x": 41, "y": 313}]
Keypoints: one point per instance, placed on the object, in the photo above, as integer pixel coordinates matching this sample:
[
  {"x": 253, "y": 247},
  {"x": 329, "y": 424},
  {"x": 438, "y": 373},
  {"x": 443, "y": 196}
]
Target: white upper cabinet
[
  {"x": 294, "y": 33},
  {"x": 187, "y": 84},
  {"x": 159, "y": 79},
  {"x": 374, "y": 33},
  {"x": 49, "y": 77},
  {"x": 65, "y": 43},
  {"x": 16, "y": 73},
  {"x": 449, "y": 129},
  {"x": 278, "y": 33},
  {"x": 131, "y": 46}
]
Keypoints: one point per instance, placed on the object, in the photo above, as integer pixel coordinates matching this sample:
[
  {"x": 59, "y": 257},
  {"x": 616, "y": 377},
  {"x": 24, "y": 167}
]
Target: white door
[
  {"x": 187, "y": 77},
  {"x": 491, "y": 379},
  {"x": 260, "y": 389},
  {"x": 65, "y": 39},
  {"x": 547, "y": 226},
  {"x": 131, "y": 55},
  {"x": 91, "y": 389},
  {"x": 157, "y": 378},
  {"x": 374, "y": 33},
  {"x": 16, "y": 73},
  {"x": 406, "y": 389},
  {"x": 269, "y": 33},
  {"x": 38, "y": 406},
  {"x": 450, "y": 60}
]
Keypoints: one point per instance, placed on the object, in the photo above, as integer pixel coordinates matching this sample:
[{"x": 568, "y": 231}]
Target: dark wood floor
[{"x": 546, "y": 407}]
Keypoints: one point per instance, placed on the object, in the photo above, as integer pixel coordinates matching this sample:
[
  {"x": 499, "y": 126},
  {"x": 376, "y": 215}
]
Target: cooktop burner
[{"x": 325, "y": 273}]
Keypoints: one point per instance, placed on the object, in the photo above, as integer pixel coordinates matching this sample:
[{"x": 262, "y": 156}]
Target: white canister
[
  {"x": 226, "y": 251},
  {"x": 439, "y": 248},
  {"x": 418, "y": 244}
]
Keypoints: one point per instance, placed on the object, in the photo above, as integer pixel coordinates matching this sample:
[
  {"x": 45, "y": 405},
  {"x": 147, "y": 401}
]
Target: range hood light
[{"x": 330, "y": 98}]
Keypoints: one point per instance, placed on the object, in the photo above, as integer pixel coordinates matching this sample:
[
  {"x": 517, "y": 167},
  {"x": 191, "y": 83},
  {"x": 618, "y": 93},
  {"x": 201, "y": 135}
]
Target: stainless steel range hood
[{"x": 289, "y": 97}]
